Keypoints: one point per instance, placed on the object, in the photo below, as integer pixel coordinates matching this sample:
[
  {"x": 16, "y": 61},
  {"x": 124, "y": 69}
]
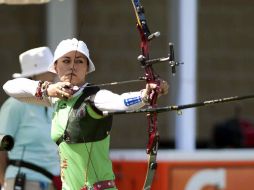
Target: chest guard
[{"x": 83, "y": 128}]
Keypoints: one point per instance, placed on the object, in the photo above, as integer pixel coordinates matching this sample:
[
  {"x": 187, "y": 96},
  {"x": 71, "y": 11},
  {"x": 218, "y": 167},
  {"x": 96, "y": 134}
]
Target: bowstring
[{"x": 75, "y": 56}]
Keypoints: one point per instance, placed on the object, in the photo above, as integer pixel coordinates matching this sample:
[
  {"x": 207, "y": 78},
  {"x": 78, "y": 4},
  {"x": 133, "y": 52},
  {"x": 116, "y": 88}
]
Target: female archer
[{"x": 78, "y": 125}]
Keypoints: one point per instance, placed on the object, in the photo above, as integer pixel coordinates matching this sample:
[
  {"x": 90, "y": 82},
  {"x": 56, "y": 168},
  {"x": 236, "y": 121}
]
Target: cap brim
[{"x": 20, "y": 75}]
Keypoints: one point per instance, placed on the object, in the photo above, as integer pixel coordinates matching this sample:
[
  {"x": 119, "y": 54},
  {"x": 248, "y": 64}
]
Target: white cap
[
  {"x": 34, "y": 61},
  {"x": 67, "y": 46}
]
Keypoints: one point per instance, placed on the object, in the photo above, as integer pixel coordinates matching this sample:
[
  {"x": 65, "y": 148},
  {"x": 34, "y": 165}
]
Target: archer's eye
[
  {"x": 66, "y": 61},
  {"x": 79, "y": 61}
]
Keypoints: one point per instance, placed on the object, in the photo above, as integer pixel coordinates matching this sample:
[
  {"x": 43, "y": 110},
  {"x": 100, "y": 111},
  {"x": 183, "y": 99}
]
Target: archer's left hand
[{"x": 161, "y": 89}]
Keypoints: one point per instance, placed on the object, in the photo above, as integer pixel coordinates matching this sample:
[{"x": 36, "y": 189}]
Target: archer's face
[{"x": 72, "y": 67}]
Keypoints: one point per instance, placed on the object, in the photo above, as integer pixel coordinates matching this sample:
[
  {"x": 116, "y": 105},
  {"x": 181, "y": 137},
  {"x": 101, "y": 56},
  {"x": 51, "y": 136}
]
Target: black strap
[
  {"x": 60, "y": 140},
  {"x": 21, "y": 163}
]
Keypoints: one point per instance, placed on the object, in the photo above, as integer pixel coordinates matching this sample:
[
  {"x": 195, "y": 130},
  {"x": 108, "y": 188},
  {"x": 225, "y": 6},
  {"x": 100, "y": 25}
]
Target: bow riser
[{"x": 153, "y": 134}]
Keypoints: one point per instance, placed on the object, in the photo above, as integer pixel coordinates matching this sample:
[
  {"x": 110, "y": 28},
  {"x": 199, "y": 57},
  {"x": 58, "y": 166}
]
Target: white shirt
[{"x": 24, "y": 89}]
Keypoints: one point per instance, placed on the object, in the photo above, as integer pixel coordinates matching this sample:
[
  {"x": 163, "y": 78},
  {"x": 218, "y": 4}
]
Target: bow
[
  {"x": 150, "y": 77},
  {"x": 153, "y": 134}
]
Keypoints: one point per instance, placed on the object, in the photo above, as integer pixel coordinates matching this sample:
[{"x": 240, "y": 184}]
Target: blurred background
[
  {"x": 206, "y": 148},
  {"x": 218, "y": 59}
]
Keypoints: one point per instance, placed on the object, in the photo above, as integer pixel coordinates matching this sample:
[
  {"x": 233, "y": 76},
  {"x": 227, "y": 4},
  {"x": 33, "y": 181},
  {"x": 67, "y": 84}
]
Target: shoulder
[
  {"x": 11, "y": 110},
  {"x": 12, "y": 102}
]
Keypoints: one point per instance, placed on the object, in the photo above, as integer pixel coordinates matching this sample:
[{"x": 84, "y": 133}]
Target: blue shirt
[{"x": 30, "y": 125}]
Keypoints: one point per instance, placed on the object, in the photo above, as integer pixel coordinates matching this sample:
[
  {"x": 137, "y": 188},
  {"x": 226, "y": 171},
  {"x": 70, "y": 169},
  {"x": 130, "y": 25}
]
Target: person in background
[
  {"x": 33, "y": 163},
  {"x": 79, "y": 126}
]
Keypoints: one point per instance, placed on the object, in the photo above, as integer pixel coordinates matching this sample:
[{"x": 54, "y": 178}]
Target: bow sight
[
  {"x": 146, "y": 36},
  {"x": 170, "y": 59}
]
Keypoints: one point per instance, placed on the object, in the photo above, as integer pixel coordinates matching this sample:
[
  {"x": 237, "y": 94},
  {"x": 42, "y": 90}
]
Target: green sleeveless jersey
[{"x": 81, "y": 163}]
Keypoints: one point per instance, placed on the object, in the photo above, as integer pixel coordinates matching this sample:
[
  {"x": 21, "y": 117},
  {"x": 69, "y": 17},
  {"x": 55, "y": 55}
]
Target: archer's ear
[{"x": 55, "y": 66}]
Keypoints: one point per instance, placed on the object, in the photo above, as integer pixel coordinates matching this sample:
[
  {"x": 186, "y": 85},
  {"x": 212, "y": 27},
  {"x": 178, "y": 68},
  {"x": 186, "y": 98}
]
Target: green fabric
[{"x": 77, "y": 169}]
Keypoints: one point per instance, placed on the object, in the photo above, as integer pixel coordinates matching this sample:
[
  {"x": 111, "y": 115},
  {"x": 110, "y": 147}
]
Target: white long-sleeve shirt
[{"x": 24, "y": 90}]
